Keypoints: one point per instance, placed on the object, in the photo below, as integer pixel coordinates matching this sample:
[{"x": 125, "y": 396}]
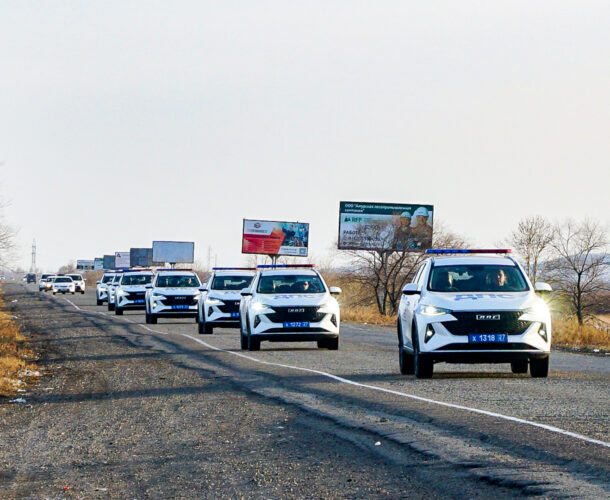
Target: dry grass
[
  {"x": 568, "y": 333},
  {"x": 366, "y": 314},
  {"x": 13, "y": 355}
]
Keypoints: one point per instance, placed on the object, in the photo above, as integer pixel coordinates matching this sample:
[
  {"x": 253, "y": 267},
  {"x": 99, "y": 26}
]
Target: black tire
[
  {"x": 100, "y": 302},
  {"x": 147, "y": 318},
  {"x": 332, "y": 344},
  {"x": 405, "y": 359},
  {"x": 423, "y": 366},
  {"x": 83, "y": 293},
  {"x": 519, "y": 366},
  {"x": 118, "y": 311},
  {"x": 253, "y": 344},
  {"x": 207, "y": 329},
  {"x": 110, "y": 306},
  {"x": 539, "y": 368},
  {"x": 243, "y": 339},
  {"x": 200, "y": 327},
  {"x": 153, "y": 319},
  {"x": 54, "y": 293}
]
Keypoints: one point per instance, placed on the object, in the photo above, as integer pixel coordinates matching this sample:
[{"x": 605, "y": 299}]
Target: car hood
[
  {"x": 291, "y": 299},
  {"x": 492, "y": 301},
  {"x": 176, "y": 291},
  {"x": 224, "y": 294},
  {"x": 134, "y": 288}
]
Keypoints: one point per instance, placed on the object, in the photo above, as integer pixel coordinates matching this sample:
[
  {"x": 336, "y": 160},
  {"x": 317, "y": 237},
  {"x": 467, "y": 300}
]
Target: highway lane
[{"x": 573, "y": 399}]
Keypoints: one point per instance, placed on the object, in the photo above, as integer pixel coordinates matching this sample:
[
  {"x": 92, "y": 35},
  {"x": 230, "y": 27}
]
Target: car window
[
  {"x": 64, "y": 279},
  {"x": 107, "y": 277},
  {"x": 231, "y": 282},
  {"x": 477, "y": 278},
  {"x": 136, "y": 279},
  {"x": 290, "y": 283},
  {"x": 178, "y": 281}
]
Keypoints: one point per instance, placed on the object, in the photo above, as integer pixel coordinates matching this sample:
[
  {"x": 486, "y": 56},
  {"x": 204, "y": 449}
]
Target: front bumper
[
  {"x": 102, "y": 294},
  {"x": 295, "y": 336},
  {"x": 63, "y": 289},
  {"x": 125, "y": 303},
  {"x": 159, "y": 308},
  {"x": 317, "y": 330}
]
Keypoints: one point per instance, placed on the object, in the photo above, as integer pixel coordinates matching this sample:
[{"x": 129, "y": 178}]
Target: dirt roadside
[{"x": 115, "y": 419}]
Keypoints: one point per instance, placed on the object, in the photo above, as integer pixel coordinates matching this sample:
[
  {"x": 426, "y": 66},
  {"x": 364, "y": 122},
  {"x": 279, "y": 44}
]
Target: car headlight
[
  {"x": 121, "y": 292},
  {"x": 158, "y": 296},
  {"x": 327, "y": 306},
  {"x": 259, "y": 307},
  {"x": 428, "y": 310},
  {"x": 538, "y": 309},
  {"x": 214, "y": 301}
]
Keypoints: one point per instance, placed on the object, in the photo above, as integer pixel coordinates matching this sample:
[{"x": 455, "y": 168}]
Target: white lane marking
[{"x": 501, "y": 416}]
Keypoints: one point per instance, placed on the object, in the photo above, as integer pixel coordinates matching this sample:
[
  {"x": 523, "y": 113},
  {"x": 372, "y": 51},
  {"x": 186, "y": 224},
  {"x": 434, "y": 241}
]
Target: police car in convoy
[
  {"x": 62, "y": 284},
  {"x": 45, "y": 281},
  {"x": 173, "y": 293},
  {"x": 220, "y": 297},
  {"x": 110, "y": 286},
  {"x": 289, "y": 303},
  {"x": 101, "y": 287},
  {"x": 79, "y": 282},
  {"x": 130, "y": 293},
  {"x": 469, "y": 306}
]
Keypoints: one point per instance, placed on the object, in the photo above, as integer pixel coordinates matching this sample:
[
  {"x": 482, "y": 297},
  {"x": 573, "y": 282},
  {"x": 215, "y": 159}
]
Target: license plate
[
  {"x": 296, "y": 324},
  {"x": 235, "y": 315},
  {"x": 138, "y": 301},
  {"x": 180, "y": 307},
  {"x": 481, "y": 338}
]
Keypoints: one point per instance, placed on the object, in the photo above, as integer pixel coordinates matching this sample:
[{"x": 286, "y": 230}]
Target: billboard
[
  {"x": 173, "y": 251},
  {"x": 98, "y": 263},
  {"x": 275, "y": 238},
  {"x": 109, "y": 261},
  {"x": 122, "y": 259},
  {"x": 385, "y": 226},
  {"x": 141, "y": 257},
  {"x": 85, "y": 265}
]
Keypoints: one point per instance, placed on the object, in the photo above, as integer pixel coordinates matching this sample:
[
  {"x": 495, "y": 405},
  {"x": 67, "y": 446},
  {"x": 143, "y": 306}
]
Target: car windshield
[
  {"x": 45, "y": 276},
  {"x": 178, "y": 281},
  {"x": 116, "y": 279},
  {"x": 63, "y": 280},
  {"x": 136, "y": 279},
  {"x": 477, "y": 278},
  {"x": 76, "y": 277},
  {"x": 291, "y": 283},
  {"x": 231, "y": 282},
  {"x": 107, "y": 278}
]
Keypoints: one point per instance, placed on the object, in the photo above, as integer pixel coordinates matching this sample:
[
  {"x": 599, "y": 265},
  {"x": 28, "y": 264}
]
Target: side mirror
[
  {"x": 335, "y": 290},
  {"x": 246, "y": 292},
  {"x": 98, "y": 282},
  {"x": 148, "y": 285},
  {"x": 411, "y": 289},
  {"x": 203, "y": 289},
  {"x": 542, "y": 288}
]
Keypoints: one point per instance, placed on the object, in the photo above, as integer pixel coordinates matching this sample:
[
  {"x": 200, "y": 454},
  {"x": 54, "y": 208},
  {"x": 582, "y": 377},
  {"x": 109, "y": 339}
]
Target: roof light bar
[
  {"x": 276, "y": 266},
  {"x": 463, "y": 251},
  {"x": 234, "y": 269}
]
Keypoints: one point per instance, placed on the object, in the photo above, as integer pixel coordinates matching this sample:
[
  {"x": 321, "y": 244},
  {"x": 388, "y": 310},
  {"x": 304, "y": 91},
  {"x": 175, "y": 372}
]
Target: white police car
[
  {"x": 101, "y": 287},
  {"x": 220, "y": 298},
  {"x": 288, "y": 303},
  {"x": 45, "y": 281},
  {"x": 473, "y": 308},
  {"x": 62, "y": 284},
  {"x": 79, "y": 282},
  {"x": 110, "y": 286},
  {"x": 130, "y": 293},
  {"x": 172, "y": 294}
]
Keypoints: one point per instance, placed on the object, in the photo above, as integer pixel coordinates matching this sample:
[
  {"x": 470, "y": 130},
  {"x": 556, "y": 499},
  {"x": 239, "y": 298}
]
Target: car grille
[
  {"x": 467, "y": 323},
  {"x": 230, "y": 306},
  {"x": 135, "y": 295},
  {"x": 179, "y": 300},
  {"x": 295, "y": 313}
]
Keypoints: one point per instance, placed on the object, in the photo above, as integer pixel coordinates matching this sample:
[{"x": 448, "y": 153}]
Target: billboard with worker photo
[
  {"x": 385, "y": 226},
  {"x": 275, "y": 238}
]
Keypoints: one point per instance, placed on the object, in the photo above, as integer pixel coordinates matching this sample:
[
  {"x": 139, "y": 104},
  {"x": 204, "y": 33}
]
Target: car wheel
[
  {"x": 519, "y": 366},
  {"x": 253, "y": 344},
  {"x": 423, "y": 366},
  {"x": 118, "y": 311},
  {"x": 207, "y": 329},
  {"x": 100, "y": 302},
  {"x": 54, "y": 293},
  {"x": 110, "y": 306},
  {"x": 243, "y": 341},
  {"x": 72, "y": 293},
  {"x": 405, "y": 359},
  {"x": 153, "y": 319},
  {"x": 539, "y": 368},
  {"x": 200, "y": 327},
  {"x": 83, "y": 292},
  {"x": 147, "y": 318}
]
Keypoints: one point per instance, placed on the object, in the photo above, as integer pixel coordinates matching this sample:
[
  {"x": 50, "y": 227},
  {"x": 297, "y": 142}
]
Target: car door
[{"x": 410, "y": 305}]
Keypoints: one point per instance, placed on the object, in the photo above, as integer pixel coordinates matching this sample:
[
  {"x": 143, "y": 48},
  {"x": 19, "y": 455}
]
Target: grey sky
[{"x": 189, "y": 116}]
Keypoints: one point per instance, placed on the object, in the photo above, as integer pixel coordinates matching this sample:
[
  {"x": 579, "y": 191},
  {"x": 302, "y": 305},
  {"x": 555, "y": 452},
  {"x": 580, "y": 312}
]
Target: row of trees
[{"x": 572, "y": 256}]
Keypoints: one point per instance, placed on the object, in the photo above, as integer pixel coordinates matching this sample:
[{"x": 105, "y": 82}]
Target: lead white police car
[
  {"x": 220, "y": 298},
  {"x": 289, "y": 303},
  {"x": 473, "y": 309},
  {"x": 174, "y": 293},
  {"x": 101, "y": 287},
  {"x": 130, "y": 293}
]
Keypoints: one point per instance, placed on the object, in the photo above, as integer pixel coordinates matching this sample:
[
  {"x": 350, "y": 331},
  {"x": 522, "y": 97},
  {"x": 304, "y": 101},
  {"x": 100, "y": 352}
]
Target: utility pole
[{"x": 33, "y": 265}]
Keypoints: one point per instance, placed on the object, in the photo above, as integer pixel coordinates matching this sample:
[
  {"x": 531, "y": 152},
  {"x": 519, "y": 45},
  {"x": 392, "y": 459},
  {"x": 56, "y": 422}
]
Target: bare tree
[
  {"x": 70, "y": 267},
  {"x": 581, "y": 264},
  {"x": 7, "y": 241},
  {"x": 532, "y": 240},
  {"x": 383, "y": 274}
]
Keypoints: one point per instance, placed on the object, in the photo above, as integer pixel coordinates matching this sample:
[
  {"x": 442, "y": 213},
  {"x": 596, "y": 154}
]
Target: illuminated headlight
[
  {"x": 428, "y": 310},
  {"x": 158, "y": 297},
  {"x": 429, "y": 333},
  {"x": 538, "y": 309},
  {"x": 121, "y": 292},
  {"x": 259, "y": 308},
  {"x": 214, "y": 301},
  {"x": 327, "y": 307}
]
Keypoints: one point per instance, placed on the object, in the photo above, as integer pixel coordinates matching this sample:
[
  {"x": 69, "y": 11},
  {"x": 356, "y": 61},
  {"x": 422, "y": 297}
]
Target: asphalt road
[{"x": 493, "y": 430}]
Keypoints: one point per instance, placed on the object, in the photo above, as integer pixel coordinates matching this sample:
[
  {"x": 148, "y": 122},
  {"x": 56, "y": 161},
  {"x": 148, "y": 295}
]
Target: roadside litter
[{"x": 18, "y": 400}]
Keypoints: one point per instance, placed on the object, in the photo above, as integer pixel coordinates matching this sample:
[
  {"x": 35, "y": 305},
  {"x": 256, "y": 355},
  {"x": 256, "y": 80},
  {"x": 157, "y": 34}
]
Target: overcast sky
[{"x": 124, "y": 122}]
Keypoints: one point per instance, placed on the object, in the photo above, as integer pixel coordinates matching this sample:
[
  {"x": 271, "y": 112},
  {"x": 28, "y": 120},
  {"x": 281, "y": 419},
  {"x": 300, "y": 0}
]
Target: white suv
[
  {"x": 172, "y": 294},
  {"x": 79, "y": 282},
  {"x": 220, "y": 298},
  {"x": 473, "y": 309},
  {"x": 62, "y": 284},
  {"x": 110, "y": 286},
  {"x": 101, "y": 288},
  {"x": 131, "y": 290},
  {"x": 289, "y": 304},
  {"x": 45, "y": 281}
]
